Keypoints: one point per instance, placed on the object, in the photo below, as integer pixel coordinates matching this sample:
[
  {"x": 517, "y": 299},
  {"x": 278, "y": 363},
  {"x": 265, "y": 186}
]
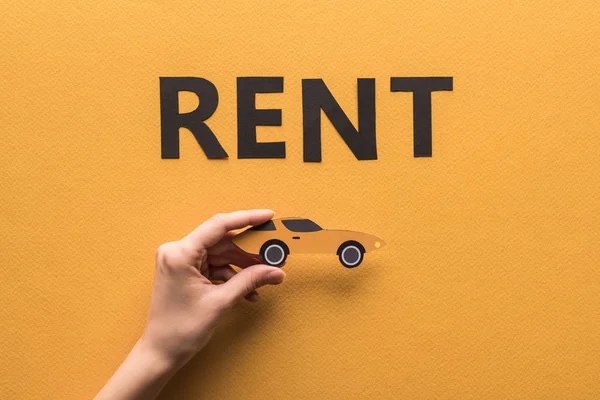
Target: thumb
[{"x": 250, "y": 279}]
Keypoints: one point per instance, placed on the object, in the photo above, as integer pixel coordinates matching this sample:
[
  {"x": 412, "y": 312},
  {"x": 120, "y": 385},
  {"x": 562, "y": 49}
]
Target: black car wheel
[
  {"x": 274, "y": 253},
  {"x": 351, "y": 254}
]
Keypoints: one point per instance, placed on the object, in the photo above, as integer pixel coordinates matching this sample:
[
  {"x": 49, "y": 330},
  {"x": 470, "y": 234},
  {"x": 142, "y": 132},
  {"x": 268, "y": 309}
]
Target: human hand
[{"x": 186, "y": 306}]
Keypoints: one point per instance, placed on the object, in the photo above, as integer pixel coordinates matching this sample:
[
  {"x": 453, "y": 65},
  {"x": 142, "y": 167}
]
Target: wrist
[
  {"x": 159, "y": 364},
  {"x": 142, "y": 375}
]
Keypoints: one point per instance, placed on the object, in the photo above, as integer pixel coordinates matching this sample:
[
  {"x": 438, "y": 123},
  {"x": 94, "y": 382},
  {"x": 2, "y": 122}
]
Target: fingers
[
  {"x": 248, "y": 280},
  {"x": 228, "y": 253},
  {"x": 226, "y": 245},
  {"x": 224, "y": 273},
  {"x": 210, "y": 232},
  {"x": 239, "y": 260}
]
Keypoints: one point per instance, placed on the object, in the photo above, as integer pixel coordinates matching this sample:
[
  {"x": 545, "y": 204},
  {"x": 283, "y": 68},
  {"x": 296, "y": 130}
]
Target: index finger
[{"x": 215, "y": 228}]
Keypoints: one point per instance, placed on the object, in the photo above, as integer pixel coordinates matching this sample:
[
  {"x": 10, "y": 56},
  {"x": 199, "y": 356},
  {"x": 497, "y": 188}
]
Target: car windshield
[{"x": 301, "y": 225}]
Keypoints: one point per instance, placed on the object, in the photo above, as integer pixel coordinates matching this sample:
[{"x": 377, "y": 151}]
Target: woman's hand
[{"x": 186, "y": 306}]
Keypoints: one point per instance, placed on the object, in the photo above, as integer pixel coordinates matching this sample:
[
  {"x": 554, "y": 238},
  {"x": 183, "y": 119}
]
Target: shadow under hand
[
  {"x": 213, "y": 364},
  {"x": 322, "y": 284}
]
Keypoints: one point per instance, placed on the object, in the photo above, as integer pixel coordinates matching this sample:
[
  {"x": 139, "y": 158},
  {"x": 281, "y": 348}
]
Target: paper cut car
[{"x": 276, "y": 239}]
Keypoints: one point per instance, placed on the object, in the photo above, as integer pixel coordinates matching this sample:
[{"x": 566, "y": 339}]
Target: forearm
[
  {"x": 186, "y": 305},
  {"x": 142, "y": 375}
]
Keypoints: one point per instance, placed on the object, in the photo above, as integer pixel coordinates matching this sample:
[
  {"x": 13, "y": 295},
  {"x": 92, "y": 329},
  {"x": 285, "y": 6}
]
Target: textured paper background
[{"x": 489, "y": 287}]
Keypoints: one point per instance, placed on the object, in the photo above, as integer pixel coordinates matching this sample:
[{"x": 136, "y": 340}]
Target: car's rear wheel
[
  {"x": 274, "y": 253},
  {"x": 351, "y": 254}
]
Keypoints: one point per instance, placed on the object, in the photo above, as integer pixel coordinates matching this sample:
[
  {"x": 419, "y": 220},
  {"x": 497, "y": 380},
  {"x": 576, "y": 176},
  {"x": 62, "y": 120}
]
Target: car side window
[
  {"x": 267, "y": 226},
  {"x": 301, "y": 225}
]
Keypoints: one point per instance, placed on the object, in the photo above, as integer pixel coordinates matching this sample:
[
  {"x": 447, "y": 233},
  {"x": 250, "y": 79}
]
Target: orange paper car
[{"x": 276, "y": 239}]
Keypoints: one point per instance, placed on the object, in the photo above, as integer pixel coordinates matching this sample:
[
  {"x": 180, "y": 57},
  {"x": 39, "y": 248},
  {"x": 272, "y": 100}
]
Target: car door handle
[{"x": 295, "y": 237}]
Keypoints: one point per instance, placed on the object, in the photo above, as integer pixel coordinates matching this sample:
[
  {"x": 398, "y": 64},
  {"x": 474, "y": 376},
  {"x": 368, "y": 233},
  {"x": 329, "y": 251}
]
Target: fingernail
[
  {"x": 267, "y": 210},
  {"x": 275, "y": 277}
]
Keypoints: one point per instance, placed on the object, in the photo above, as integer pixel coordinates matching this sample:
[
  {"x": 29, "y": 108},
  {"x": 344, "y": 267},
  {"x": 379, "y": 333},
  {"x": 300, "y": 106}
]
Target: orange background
[{"x": 489, "y": 286}]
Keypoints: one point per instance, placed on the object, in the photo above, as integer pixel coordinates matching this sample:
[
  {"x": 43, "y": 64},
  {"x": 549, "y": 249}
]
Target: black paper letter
[
  {"x": 171, "y": 120},
  {"x": 421, "y": 88},
  {"x": 362, "y": 141},
  {"x": 249, "y": 117}
]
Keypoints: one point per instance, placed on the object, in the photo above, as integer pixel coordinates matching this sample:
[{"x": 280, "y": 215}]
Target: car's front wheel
[
  {"x": 274, "y": 253},
  {"x": 351, "y": 254}
]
